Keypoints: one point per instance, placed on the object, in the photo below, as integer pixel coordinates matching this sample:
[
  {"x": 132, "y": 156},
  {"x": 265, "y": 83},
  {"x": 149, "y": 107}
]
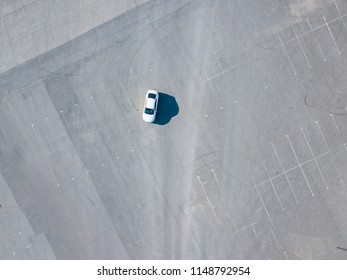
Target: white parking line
[
  {"x": 214, "y": 174},
  {"x": 227, "y": 70},
  {"x": 262, "y": 202},
  {"x": 338, "y": 171},
  {"x": 246, "y": 227},
  {"x": 38, "y": 140},
  {"x": 321, "y": 133},
  {"x": 220, "y": 65},
  {"x": 285, "y": 173},
  {"x": 316, "y": 28},
  {"x": 321, "y": 51},
  {"x": 292, "y": 168},
  {"x": 263, "y": 80},
  {"x": 285, "y": 254},
  {"x": 215, "y": 95},
  {"x": 309, "y": 25},
  {"x": 235, "y": 226},
  {"x": 319, "y": 47},
  {"x": 338, "y": 9},
  {"x": 300, "y": 165},
  {"x": 302, "y": 49},
  {"x": 338, "y": 131},
  {"x": 273, "y": 187},
  {"x": 285, "y": 50},
  {"x": 208, "y": 200},
  {"x": 273, "y": 234},
  {"x": 309, "y": 146},
  {"x": 67, "y": 124},
  {"x": 331, "y": 34},
  {"x": 252, "y": 225}
]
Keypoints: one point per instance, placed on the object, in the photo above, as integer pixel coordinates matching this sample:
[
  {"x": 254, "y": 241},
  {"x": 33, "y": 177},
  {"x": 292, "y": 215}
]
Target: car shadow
[{"x": 167, "y": 109}]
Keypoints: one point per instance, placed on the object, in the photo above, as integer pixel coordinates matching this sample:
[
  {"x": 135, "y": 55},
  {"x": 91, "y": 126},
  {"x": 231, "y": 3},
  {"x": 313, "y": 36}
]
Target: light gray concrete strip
[
  {"x": 31, "y": 28},
  {"x": 18, "y": 240}
]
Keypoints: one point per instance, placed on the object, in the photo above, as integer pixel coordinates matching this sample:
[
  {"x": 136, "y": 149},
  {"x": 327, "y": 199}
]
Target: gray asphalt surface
[{"x": 247, "y": 158}]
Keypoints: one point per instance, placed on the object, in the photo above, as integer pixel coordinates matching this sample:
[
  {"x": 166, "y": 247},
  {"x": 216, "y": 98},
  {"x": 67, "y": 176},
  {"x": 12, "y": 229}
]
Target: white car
[{"x": 151, "y": 104}]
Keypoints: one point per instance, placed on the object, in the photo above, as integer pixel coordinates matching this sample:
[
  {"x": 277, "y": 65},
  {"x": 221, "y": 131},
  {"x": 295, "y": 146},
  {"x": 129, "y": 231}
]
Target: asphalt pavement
[{"x": 247, "y": 158}]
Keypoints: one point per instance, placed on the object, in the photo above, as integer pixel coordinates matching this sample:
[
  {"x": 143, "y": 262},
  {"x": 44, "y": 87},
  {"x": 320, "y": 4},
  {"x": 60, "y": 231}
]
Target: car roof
[{"x": 150, "y": 103}]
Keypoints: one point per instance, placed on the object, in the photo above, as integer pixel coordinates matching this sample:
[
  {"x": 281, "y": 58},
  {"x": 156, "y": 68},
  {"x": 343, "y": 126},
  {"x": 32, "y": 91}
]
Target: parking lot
[{"x": 247, "y": 159}]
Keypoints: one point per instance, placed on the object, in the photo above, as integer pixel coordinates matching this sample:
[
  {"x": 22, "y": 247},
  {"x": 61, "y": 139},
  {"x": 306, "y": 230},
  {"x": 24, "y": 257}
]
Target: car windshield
[
  {"x": 149, "y": 111},
  {"x": 151, "y": 95}
]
